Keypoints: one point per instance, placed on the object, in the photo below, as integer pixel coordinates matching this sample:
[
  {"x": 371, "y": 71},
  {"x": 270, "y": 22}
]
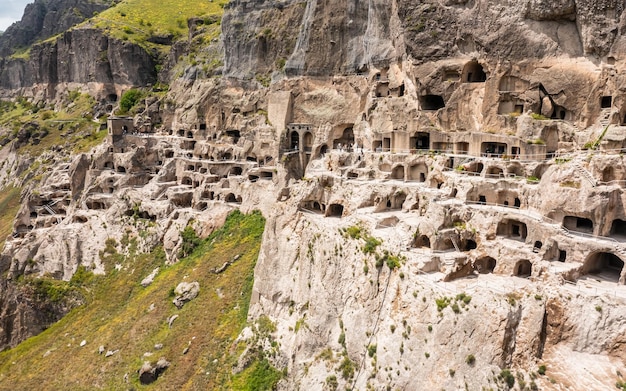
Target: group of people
[{"x": 350, "y": 148}]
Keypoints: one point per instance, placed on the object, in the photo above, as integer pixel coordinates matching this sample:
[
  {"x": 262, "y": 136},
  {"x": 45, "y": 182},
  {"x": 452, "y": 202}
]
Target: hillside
[
  {"x": 441, "y": 186},
  {"x": 126, "y": 318}
]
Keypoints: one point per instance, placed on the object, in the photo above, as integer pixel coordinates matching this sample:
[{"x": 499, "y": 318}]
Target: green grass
[
  {"x": 72, "y": 126},
  {"x": 259, "y": 376},
  {"x": 138, "y": 20},
  {"x": 9, "y": 206},
  {"x": 117, "y": 316}
]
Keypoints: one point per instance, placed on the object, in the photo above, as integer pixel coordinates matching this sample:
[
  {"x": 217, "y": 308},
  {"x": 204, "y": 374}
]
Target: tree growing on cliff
[{"x": 129, "y": 99}]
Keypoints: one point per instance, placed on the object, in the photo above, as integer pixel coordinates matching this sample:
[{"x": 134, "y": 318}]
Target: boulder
[
  {"x": 149, "y": 373},
  {"x": 185, "y": 291}
]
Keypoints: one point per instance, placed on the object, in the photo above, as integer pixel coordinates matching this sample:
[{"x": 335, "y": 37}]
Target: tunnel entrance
[
  {"x": 579, "y": 224},
  {"x": 335, "y": 210},
  {"x": 294, "y": 140},
  {"x": 523, "y": 268},
  {"x": 618, "y": 229},
  {"x": 473, "y": 72},
  {"x": 606, "y": 266},
  {"x": 421, "y": 140},
  {"x": 431, "y": 102},
  {"x": 421, "y": 241},
  {"x": 485, "y": 265}
]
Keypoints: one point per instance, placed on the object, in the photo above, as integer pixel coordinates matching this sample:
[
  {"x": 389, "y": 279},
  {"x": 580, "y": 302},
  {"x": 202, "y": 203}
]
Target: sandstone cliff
[{"x": 442, "y": 182}]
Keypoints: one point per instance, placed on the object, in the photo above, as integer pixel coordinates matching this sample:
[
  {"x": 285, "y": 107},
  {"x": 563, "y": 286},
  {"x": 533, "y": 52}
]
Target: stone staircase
[
  {"x": 585, "y": 174},
  {"x": 605, "y": 117},
  {"x": 49, "y": 210},
  {"x": 463, "y": 160},
  {"x": 455, "y": 244}
]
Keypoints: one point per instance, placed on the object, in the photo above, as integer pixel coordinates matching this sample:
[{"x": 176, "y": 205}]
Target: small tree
[
  {"x": 129, "y": 99},
  {"x": 190, "y": 242}
]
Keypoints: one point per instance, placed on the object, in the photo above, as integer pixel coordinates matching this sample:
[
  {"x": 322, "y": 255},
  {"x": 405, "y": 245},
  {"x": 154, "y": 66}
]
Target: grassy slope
[
  {"x": 117, "y": 316},
  {"x": 72, "y": 126},
  {"x": 9, "y": 206},
  {"x": 137, "y": 20}
]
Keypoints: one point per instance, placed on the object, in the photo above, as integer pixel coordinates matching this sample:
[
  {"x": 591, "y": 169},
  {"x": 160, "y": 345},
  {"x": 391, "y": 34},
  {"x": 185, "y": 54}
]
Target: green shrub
[
  {"x": 353, "y": 232},
  {"x": 342, "y": 339},
  {"x": 190, "y": 242},
  {"x": 81, "y": 276},
  {"x": 541, "y": 370},
  {"x": 261, "y": 376},
  {"x": 371, "y": 350},
  {"x": 464, "y": 298},
  {"x": 347, "y": 368},
  {"x": 507, "y": 377},
  {"x": 331, "y": 382},
  {"x": 470, "y": 359},
  {"x": 393, "y": 261},
  {"x": 540, "y": 117},
  {"x": 129, "y": 99},
  {"x": 370, "y": 245},
  {"x": 442, "y": 303}
]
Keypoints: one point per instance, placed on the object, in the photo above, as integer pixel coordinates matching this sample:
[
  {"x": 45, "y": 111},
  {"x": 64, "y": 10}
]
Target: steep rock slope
[
  {"x": 445, "y": 206},
  {"x": 106, "y": 66},
  {"x": 45, "y": 18}
]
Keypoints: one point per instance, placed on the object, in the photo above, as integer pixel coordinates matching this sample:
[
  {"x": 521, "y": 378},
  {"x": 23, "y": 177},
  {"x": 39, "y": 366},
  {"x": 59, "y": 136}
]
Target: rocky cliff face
[
  {"x": 87, "y": 57},
  {"x": 443, "y": 185},
  {"x": 45, "y": 18},
  {"x": 352, "y": 36}
]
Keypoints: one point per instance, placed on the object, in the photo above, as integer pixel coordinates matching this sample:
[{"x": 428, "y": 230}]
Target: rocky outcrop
[
  {"x": 349, "y": 37},
  {"x": 148, "y": 373},
  {"x": 45, "y": 18},
  {"x": 25, "y": 312},
  {"x": 185, "y": 292},
  {"x": 87, "y": 57},
  {"x": 423, "y": 215}
]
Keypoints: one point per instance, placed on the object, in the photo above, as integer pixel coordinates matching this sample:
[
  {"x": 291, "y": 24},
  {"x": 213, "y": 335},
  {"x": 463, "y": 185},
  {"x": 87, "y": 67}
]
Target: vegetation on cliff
[
  {"x": 39, "y": 127},
  {"x": 124, "y": 317},
  {"x": 143, "y": 23},
  {"x": 9, "y": 205}
]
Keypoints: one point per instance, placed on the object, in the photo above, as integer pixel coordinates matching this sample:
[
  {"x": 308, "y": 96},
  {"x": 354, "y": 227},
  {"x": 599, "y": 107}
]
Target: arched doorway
[
  {"x": 398, "y": 173},
  {"x": 485, "y": 265},
  {"x": 308, "y": 141},
  {"x": 335, "y": 210},
  {"x": 604, "y": 265},
  {"x": 418, "y": 172},
  {"x": 523, "y": 268},
  {"x": 421, "y": 241},
  {"x": 608, "y": 174},
  {"x": 294, "y": 140},
  {"x": 494, "y": 171},
  {"x": 473, "y": 72}
]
